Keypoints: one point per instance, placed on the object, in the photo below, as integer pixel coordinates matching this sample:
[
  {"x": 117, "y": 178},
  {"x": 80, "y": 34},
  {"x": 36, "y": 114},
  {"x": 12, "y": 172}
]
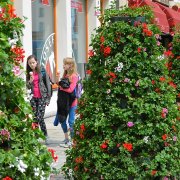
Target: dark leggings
[{"x": 38, "y": 106}]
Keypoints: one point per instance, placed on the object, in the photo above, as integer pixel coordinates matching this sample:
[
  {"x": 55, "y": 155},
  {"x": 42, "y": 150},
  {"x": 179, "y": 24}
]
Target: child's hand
[
  {"x": 57, "y": 76},
  {"x": 31, "y": 77}
]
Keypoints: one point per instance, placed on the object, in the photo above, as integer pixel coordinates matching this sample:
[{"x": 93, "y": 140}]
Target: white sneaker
[{"x": 66, "y": 143}]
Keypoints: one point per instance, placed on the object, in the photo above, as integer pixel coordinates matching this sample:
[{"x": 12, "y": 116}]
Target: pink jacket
[{"x": 74, "y": 80}]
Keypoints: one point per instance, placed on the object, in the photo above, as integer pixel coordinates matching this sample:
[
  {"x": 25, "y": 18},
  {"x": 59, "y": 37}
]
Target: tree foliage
[
  {"x": 22, "y": 156},
  {"x": 127, "y": 125}
]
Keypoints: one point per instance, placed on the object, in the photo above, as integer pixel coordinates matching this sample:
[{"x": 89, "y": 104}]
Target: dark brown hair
[{"x": 28, "y": 68}]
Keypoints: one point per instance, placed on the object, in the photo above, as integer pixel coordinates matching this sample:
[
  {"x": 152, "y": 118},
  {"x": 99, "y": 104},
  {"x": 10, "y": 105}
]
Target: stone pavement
[{"x": 56, "y": 135}]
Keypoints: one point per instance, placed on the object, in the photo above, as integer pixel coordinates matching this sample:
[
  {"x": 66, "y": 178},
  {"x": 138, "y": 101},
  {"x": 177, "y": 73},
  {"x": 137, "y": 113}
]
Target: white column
[
  {"x": 23, "y": 9},
  {"x": 93, "y": 21},
  {"x": 64, "y": 41}
]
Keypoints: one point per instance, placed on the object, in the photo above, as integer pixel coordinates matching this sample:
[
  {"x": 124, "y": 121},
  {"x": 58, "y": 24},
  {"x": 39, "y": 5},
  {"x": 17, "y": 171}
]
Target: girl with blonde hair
[{"x": 64, "y": 96}]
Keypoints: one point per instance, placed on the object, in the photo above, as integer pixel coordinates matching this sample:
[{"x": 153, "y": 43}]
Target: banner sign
[
  {"x": 77, "y": 5},
  {"x": 45, "y": 2},
  {"x": 47, "y": 57}
]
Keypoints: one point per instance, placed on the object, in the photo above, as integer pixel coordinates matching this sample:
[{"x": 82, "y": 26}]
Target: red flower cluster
[
  {"x": 153, "y": 172},
  {"x": 172, "y": 84},
  {"x": 2, "y": 13},
  {"x": 128, "y": 146},
  {"x": 146, "y": 31},
  {"x": 104, "y": 145},
  {"x": 139, "y": 50},
  {"x": 168, "y": 54},
  {"x": 112, "y": 76},
  {"x": 91, "y": 53},
  {"x": 76, "y": 168},
  {"x": 153, "y": 82},
  {"x": 169, "y": 66},
  {"x": 82, "y": 127},
  {"x": 6, "y": 178},
  {"x": 11, "y": 11},
  {"x": 35, "y": 125},
  {"x": 19, "y": 54},
  {"x": 162, "y": 79},
  {"x": 164, "y": 137},
  {"x": 107, "y": 51},
  {"x": 79, "y": 160},
  {"x": 52, "y": 151},
  {"x": 102, "y": 39},
  {"x": 89, "y": 71}
]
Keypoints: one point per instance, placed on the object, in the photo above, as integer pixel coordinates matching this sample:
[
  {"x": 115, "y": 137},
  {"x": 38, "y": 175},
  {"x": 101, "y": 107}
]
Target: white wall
[
  {"x": 22, "y": 11},
  {"x": 64, "y": 42},
  {"x": 93, "y": 21}
]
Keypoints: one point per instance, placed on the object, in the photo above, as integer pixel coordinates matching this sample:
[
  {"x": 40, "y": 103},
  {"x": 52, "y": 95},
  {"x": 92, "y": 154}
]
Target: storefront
[{"x": 55, "y": 29}]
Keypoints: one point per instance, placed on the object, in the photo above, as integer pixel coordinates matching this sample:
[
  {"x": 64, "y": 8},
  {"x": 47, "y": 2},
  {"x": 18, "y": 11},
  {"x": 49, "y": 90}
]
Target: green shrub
[
  {"x": 127, "y": 126},
  {"x": 22, "y": 156}
]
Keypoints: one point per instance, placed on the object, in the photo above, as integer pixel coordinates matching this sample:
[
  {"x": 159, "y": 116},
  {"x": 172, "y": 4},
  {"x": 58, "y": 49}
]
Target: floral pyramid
[
  {"x": 21, "y": 155},
  {"x": 128, "y": 124}
]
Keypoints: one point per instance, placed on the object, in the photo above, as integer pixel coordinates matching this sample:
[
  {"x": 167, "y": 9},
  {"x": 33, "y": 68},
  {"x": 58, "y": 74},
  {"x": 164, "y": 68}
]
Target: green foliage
[
  {"x": 22, "y": 156},
  {"x": 127, "y": 124},
  {"x": 174, "y": 62}
]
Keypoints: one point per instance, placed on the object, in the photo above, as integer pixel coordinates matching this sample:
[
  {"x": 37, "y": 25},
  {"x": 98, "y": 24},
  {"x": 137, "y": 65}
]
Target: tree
[
  {"x": 22, "y": 156},
  {"x": 127, "y": 125}
]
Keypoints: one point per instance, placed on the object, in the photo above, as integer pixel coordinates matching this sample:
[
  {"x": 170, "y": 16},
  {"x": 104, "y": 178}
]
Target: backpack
[
  {"x": 44, "y": 74},
  {"x": 79, "y": 87}
]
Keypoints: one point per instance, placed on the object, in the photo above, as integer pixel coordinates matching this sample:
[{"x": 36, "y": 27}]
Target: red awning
[
  {"x": 173, "y": 16},
  {"x": 160, "y": 17}
]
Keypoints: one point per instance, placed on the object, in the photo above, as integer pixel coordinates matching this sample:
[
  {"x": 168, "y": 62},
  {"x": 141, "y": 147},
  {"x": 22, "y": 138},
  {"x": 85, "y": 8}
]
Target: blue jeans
[{"x": 71, "y": 120}]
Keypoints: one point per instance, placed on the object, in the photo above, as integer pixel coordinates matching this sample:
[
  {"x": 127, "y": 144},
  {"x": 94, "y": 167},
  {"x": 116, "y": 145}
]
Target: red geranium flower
[
  {"x": 82, "y": 127},
  {"x": 52, "y": 151},
  {"x": 153, "y": 172},
  {"x": 157, "y": 90},
  {"x": 89, "y": 71},
  {"x": 107, "y": 51},
  {"x": 91, "y": 53},
  {"x": 168, "y": 53},
  {"x": 102, "y": 39},
  {"x": 162, "y": 79},
  {"x": 153, "y": 82},
  {"x": 81, "y": 135},
  {"x": 139, "y": 49},
  {"x": 144, "y": 25},
  {"x": 79, "y": 159},
  {"x": 128, "y": 146},
  {"x": 104, "y": 145},
  {"x": 172, "y": 84},
  {"x": 7, "y": 178},
  {"x": 164, "y": 137},
  {"x": 34, "y": 125},
  {"x": 169, "y": 65},
  {"x": 76, "y": 168}
]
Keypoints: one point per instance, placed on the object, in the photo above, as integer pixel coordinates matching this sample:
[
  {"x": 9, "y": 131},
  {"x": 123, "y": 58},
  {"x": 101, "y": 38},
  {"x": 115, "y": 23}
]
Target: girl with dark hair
[{"x": 41, "y": 90}]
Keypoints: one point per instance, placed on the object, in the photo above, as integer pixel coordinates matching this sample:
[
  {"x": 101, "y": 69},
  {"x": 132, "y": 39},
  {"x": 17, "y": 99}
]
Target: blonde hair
[{"x": 70, "y": 61}]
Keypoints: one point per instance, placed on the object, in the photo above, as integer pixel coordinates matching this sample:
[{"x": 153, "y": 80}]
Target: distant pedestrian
[
  {"x": 67, "y": 102},
  {"x": 41, "y": 91}
]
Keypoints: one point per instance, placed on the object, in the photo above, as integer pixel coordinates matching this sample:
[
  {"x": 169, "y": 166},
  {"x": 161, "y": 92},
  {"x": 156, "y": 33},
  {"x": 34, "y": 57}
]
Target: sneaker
[{"x": 65, "y": 141}]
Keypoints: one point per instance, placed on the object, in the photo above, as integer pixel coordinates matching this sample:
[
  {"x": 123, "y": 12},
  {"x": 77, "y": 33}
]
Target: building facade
[{"x": 55, "y": 29}]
